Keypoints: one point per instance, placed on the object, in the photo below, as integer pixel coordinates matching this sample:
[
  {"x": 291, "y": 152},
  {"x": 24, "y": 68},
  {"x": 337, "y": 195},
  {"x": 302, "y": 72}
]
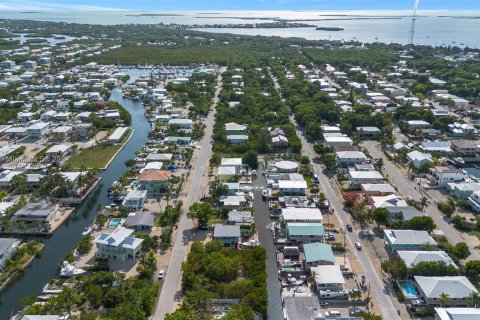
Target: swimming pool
[
  {"x": 409, "y": 289},
  {"x": 114, "y": 222}
]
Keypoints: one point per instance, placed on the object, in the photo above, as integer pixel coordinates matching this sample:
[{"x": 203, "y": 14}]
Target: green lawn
[{"x": 95, "y": 157}]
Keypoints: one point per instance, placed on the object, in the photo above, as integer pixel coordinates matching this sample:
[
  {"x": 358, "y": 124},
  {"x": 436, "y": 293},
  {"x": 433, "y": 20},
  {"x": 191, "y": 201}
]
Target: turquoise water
[
  {"x": 410, "y": 289},
  {"x": 432, "y": 27}
]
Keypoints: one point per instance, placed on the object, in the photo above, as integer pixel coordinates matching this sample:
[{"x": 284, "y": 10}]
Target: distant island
[
  {"x": 241, "y": 18},
  {"x": 329, "y": 29},
  {"x": 155, "y": 15},
  {"x": 264, "y": 25}
]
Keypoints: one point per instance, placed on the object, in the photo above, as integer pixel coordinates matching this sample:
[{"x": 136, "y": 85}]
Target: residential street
[
  {"x": 192, "y": 188},
  {"x": 409, "y": 188},
  {"x": 376, "y": 285}
]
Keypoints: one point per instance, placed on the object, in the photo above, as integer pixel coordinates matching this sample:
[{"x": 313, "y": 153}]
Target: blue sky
[{"x": 26, "y": 5}]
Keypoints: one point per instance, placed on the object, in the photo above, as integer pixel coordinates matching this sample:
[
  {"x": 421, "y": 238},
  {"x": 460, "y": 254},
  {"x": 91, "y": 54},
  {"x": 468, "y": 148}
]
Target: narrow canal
[
  {"x": 263, "y": 223},
  {"x": 66, "y": 237}
]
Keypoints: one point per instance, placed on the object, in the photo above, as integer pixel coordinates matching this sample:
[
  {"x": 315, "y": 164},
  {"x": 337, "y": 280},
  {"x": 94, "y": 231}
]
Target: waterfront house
[
  {"x": 240, "y": 218},
  {"x": 177, "y": 140},
  {"x": 303, "y": 232},
  {"x": 226, "y": 172},
  {"x": 236, "y": 138},
  {"x": 58, "y": 152},
  {"x": 117, "y": 135},
  {"x": 232, "y": 162},
  {"x": 442, "y": 147},
  {"x": 292, "y": 187},
  {"x": 302, "y": 215},
  {"x": 474, "y": 201},
  {"x": 357, "y": 178},
  {"x": 468, "y": 150},
  {"x": 141, "y": 220},
  {"x": 159, "y": 157},
  {"x": 463, "y": 190},
  {"x": 118, "y": 245},
  {"x": 135, "y": 199},
  {"x": 317, "y": 254},
  {"x": 156, "y": 182},
  {"x": 182, "y": 123},
  {"x": 458, "y": 288},
  {"x": 441, "y": 176},
  {"x": 8, "y": 246},
  {"x": 42, "y": 213},
  {"x": 83, "y": 131},
  {"x": 328, "y": 277},
  {"x": 397, "y": 240},
  {"x": 419, "y": 159},
  {"x": 229, "y": 235},
  {"x": 37, "y": 130},
  {"x": 348, "y": 158},
  {"x": 6, "y": 152},
  {"x": 412, "y": 258}
]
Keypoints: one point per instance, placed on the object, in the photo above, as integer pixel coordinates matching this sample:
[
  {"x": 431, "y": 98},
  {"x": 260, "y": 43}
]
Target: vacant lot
[{"x": 95, "y": 157}]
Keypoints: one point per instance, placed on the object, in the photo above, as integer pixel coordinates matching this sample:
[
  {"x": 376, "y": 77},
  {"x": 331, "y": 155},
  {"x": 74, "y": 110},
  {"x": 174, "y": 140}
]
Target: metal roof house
[
  {"x": 407, "y": 239},
  {"x": 303, "y": 232},
  {"x": 118, "y": 245},
  {"x": 458, "y": 288},
  {"x": 411, "y": 258},
  {"x": 229, "y": 235},
  {"x": 318, "y": 254},
  {"x": 141, "y": 220}
]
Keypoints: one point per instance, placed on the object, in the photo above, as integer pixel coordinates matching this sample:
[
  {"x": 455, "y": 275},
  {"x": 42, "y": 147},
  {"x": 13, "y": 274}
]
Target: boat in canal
[{"x": 69, "y": 271}]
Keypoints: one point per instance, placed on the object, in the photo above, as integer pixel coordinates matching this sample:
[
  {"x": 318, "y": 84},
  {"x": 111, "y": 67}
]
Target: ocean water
[{"x": 432, "y": 27}]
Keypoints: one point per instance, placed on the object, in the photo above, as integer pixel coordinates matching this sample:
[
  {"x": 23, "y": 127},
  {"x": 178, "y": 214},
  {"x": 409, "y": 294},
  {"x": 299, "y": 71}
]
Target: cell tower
[{"x": 414, "y": 19}]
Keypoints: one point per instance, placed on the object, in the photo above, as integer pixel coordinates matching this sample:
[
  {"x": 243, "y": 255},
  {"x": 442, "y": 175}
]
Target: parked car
[
  {"x": 161, "y": 274},
  {"x": 358, "y": 245},
  {"x": 349, "y": 228}
]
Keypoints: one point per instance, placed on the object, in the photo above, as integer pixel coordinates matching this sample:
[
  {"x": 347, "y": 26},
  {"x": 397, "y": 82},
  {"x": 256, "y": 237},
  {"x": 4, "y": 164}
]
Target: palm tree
[
  {"x": 444, "y": 299},
  {"x": 473, "y": 300},
  {"x": 423, "y": 203}
]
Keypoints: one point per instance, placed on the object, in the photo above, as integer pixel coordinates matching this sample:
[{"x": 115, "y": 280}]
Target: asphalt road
[
  {"x": 169, "y": 293},
  {"x": 377, "y": 287},
  {"x": 409, "y": 188}
]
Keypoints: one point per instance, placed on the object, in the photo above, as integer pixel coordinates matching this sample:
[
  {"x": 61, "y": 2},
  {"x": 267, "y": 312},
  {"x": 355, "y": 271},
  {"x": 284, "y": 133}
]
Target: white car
[
  {"x": 161, "y": 274},
  {"x": 358, "y": 245}
]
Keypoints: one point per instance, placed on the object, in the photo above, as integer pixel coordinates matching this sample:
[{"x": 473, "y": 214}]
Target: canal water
[
  {"x": 66, "y": 237},
  {"x": 262, "y": 224}
]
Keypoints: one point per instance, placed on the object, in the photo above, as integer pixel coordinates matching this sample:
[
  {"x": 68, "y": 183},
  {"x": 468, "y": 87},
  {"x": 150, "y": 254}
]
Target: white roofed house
[
  {"x": 135, "y": 199},
  {"x": 463, "y": 190},
  {"x": 302, "y": 215},
  {"x": 117, "y": 135},
  {"x": 442, "y": 147},
  {"x": 336, "y": 140},
  {"x": 368, "y": 131},
  {"x": 458, "y": 289},
  {"x": 419, "y": 159},
  {"x": 442, "y": 176},
  {"x": 347, "y": 158},
  {"x": 412, "y": 258},
  {"x": 37, "y": 130},
  {"x": 357, "y": 178},
  {"x": 233, "y": 128},
  {"x": 118, "y": 245},
  {"x": 58, "y": 152},
  {"x": 456, "y": 313},
  {"x": 279, "y": 142},
  {"x": 226, "y": 172},
  {"x": 418, "y": 124},
  {"x": 182, "y": 123},
  {"x": 460, "y": 129},
  {"x": 292, "y": 187},
  {"x": 328, "y": 278},
  {"x": 402, "y": 213},
  {"x": 232, "y": 162}
]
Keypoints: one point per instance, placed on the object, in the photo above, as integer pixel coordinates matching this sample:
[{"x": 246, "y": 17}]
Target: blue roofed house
[
  {"x": 118, "y": 245},
  {"x": 317, "y": 254},
  {"x": 303, "y": 232}
]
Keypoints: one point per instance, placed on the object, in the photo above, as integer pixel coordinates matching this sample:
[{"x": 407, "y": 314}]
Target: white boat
[
  {"x": 266, "y": 193},
  {"x": 87, "y": 230},
  {"x": 69, "y": 271}
]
